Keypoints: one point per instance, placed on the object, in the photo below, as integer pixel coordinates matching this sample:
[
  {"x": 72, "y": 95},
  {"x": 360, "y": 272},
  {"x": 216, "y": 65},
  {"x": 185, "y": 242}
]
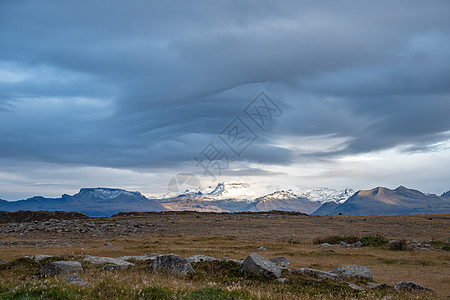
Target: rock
[
  {"x": 411, "y": 286},
  {"x": 119, "y": 263},
  {"x": 108, "y": 244},
  {"x": 2, "y": 262},
  {"x": 60, "y": 267},
  {"x": 262, "y": 249},
  {"x": 258, "y": 264},
  {"x": 357, "y": 244},
  {"x": 354, "y": 286},
  {"x": 239, "y": 261},
  {"x": 282, "y": 280},
  {"x": 343, "y": 244},
  {"x": 198, "y": 258},
  {"x": 329, "y": 251},
  {"x": 353, "y": 272},
  {"x": 75, "y": 279},
  {"x": 281, "y": 262},
  {"x": 324, "y": 245},
  {"x": 139, "y": 257},
  {"x": 173, "y": 263},
  {"x": 317, "y": 273},
  {"x": 38, "y": 257},
  {"x": 373, "y": 285}
]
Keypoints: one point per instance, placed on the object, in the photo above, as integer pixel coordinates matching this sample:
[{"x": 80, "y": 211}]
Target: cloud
[{"x": 147, "y": 85}]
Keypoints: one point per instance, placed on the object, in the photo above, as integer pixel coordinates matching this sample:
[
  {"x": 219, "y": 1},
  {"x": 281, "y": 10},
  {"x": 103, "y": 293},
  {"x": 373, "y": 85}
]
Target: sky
[{"x": 339, "y": 94}]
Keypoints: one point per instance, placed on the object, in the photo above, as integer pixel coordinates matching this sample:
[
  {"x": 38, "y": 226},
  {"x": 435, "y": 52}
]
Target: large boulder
[
  {"x": 173, "y": 263},
  {"x": 60, "y": 267},
  {"x": 353, "y": 272},
  {"x": 198, "y": 258},
  {"x": 258, "y": 264},
  {"x": 281, "y": 262},
  {"x": 411, "y": 286}
]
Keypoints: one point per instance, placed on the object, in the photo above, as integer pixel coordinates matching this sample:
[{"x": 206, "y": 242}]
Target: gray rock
[
  {"x": 329, "y": 251},
  {"x": 357, "y": 244},
  {"x": 2, "y": 262},
  {"x": 258, "y": 264},
  {"x": 108, "y": 244},
  {"x": 373, "y": 285},
  {"x": 172, "y": 263},
  {"x": 317, "y": 273},
  {"x": 75, "y": 279},
  {"x": 281, "y": 262},
  {"x": 145, "y": 257},
  {"x": 353, "y": 272},
  {"x": 282, "y": 280},
  {"x": 239, "y": 261},
  {"x": 411, "y": 286},
  {"x": 98, "y": 260},
  {"x": 38, "y": 257},
  {"x": 262, "y": 248},
  {"x": 198, "y": 258},
  {"x": 60, "y": 267},
  {"x": 325, "y": 245},
  {"x": 343, "y": 244},
  {"x": 354, "y": 286}
]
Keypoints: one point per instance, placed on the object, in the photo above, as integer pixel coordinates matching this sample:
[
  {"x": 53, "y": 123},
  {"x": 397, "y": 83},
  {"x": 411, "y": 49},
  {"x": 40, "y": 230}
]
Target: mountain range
[{"x": 239, "y": 197}]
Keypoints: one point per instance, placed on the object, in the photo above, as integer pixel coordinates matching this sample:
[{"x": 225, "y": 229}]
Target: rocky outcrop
[
  {"x": 281, "y": 262},
  {"x": 199, "y": 258}
]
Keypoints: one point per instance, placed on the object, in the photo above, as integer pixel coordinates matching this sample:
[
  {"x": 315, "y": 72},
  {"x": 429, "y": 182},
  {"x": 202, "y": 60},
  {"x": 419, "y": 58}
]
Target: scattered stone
[
  {"x": 2, "y": 262},
  {"x": 317, "y": 273},
  {"x": 343, "y": 244},
  {"x": 75, "y": 279},
  {"x": 239, "y": 261},
  {"x": 120, "y": 263},
  {"x": 357, "y": 244},
  {"x": 329, "y": 251},
  {"x": 144, "y": 257},
  {"x": 373, "y": 285},
  {"x": 281, "y": 262},
  {"x": 324, "y": 245},
  {"x": 353, "y": 272},
  {"x": 60, "y": 267},
  {"x": 258, "y": 264},
  {"x": 108, "y": 244},
  {"x": 354, "y": 286},
  {"x": 262, "y": 248},
  {"x": 173, "y": 263},
  {"x": 38, "y": 257},
  {"x": 282, "y": 280},
  {"x": 199, "y": 258},
  {"x": 411, "y": 286}
]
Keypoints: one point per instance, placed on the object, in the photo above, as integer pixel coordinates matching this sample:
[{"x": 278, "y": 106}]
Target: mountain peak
[{"x": 104, "y": 193}]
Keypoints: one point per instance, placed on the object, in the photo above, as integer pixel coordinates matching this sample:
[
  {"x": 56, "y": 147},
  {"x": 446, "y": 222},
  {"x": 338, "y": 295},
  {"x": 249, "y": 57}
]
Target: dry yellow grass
[{"x": 237, "y": 236}]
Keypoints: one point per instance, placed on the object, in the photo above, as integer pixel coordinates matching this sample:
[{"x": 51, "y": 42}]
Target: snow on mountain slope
[{"x": 244, "y": 191}]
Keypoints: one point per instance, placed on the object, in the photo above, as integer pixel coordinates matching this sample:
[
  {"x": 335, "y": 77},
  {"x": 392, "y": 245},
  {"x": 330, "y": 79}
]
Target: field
[{"x": 292, "y": 235}]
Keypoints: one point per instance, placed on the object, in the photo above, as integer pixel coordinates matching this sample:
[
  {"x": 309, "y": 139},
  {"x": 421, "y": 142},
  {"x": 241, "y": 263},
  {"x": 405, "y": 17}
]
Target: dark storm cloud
[{"x": 142, "y": 84}]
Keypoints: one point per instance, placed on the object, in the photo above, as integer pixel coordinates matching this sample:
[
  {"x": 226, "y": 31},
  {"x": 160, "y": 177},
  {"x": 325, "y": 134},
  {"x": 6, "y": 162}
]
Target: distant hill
[
  {"x": 382, "y": 201},
  {"x": 93, "y": 202}
]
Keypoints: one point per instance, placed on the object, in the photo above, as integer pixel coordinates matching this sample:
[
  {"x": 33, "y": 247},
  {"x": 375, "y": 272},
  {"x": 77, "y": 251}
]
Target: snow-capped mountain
[
  {"x": 243, "y": 196},
  {"x": 324, "y": 195},
  {"x": 242, "y": 191}
]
